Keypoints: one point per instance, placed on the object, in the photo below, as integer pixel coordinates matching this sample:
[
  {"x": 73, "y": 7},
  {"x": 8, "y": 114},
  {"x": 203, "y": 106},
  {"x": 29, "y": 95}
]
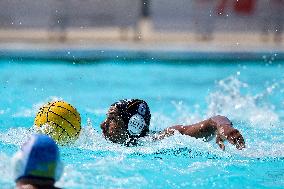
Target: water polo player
[
  {"x": 37, "y": 164},
  {"x": 128, "y": 120}
]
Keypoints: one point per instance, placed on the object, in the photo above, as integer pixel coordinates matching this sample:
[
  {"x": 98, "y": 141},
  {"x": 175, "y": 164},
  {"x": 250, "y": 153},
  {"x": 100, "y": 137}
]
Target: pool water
[{"x": 250, "y": 93}]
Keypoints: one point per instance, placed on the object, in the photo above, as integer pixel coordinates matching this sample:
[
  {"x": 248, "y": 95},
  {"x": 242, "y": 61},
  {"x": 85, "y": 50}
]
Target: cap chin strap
[{"x": 136, "y": 124}]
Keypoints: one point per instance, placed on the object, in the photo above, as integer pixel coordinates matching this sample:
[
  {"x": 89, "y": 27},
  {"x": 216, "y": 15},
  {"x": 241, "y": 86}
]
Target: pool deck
[{"x": 108, "y": 43}]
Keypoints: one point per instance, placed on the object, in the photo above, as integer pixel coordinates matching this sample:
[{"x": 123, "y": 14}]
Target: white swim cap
[
  {"x": 38, "y": 158},
  {"x": 136, "y": 124}
]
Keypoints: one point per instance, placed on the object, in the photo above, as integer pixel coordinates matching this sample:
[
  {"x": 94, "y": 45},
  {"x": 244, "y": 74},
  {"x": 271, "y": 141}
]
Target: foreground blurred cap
[{"x": 38, "y": 158}]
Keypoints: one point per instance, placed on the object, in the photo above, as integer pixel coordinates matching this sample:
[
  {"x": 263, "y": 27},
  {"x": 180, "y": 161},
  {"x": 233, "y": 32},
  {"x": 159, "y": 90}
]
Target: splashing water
[
  {"x": 228, "y": 100},
  {"x": 176, "y": 162}
]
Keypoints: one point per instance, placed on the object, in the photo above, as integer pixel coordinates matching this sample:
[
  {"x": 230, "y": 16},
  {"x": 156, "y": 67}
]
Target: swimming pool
[{"x": 250, "y": 93}]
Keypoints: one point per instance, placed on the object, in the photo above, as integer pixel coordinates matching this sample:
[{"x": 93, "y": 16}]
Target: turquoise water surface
[{"x": 250, "y": 93}]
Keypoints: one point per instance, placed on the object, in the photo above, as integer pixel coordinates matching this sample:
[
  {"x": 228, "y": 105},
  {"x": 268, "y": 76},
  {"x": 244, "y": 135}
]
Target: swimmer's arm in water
[{"x": 218, "y": 126}]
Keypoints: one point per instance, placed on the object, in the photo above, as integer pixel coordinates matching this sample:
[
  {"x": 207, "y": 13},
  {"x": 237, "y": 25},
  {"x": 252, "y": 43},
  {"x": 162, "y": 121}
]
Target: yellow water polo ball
[{"x": 59, "y": 120}]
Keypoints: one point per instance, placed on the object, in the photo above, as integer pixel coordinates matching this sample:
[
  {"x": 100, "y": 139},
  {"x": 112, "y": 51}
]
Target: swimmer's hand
[
  {"x": 227, "y": 132},
  {"x": 219, "y": 126}
]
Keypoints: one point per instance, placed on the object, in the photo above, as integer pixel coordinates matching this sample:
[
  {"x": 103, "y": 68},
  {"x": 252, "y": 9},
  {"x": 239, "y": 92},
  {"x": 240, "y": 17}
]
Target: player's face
[{"x": 113, "y": 127}]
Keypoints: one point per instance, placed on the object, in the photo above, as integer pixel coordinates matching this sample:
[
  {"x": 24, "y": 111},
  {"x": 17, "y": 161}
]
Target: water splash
[
  {"x": 228, "y": 100},
  {"x": 16, "y": 136}
]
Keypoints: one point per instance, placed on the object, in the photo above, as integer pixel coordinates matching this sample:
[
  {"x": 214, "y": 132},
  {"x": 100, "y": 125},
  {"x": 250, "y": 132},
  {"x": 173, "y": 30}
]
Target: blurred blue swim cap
[{"x": 38, "y": 158}]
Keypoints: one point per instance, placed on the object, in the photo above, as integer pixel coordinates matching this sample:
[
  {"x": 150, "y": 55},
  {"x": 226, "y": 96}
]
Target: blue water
[{"x": 249, "y": 93}]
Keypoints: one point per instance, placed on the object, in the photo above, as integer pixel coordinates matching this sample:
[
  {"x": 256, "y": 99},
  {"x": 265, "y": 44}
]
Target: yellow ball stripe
[
  {"x": 72, "y": 112},
  {"x": 66, "y": 115},
  {"x": 60, "y": 120}
]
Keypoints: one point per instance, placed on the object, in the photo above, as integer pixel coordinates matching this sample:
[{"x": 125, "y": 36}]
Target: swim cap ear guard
[
  {"x": 136, "y": 124},
  {"x": 27, "y": 164}
]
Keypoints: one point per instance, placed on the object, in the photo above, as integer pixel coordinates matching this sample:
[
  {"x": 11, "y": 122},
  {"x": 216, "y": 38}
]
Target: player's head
[
  {"x": 38, "y": 159},
  {"x": 126, "y": 121}
]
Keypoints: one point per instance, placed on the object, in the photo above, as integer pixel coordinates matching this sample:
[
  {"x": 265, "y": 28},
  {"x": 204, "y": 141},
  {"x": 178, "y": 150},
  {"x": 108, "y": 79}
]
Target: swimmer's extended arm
[{"x": 218, "y": 126}]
